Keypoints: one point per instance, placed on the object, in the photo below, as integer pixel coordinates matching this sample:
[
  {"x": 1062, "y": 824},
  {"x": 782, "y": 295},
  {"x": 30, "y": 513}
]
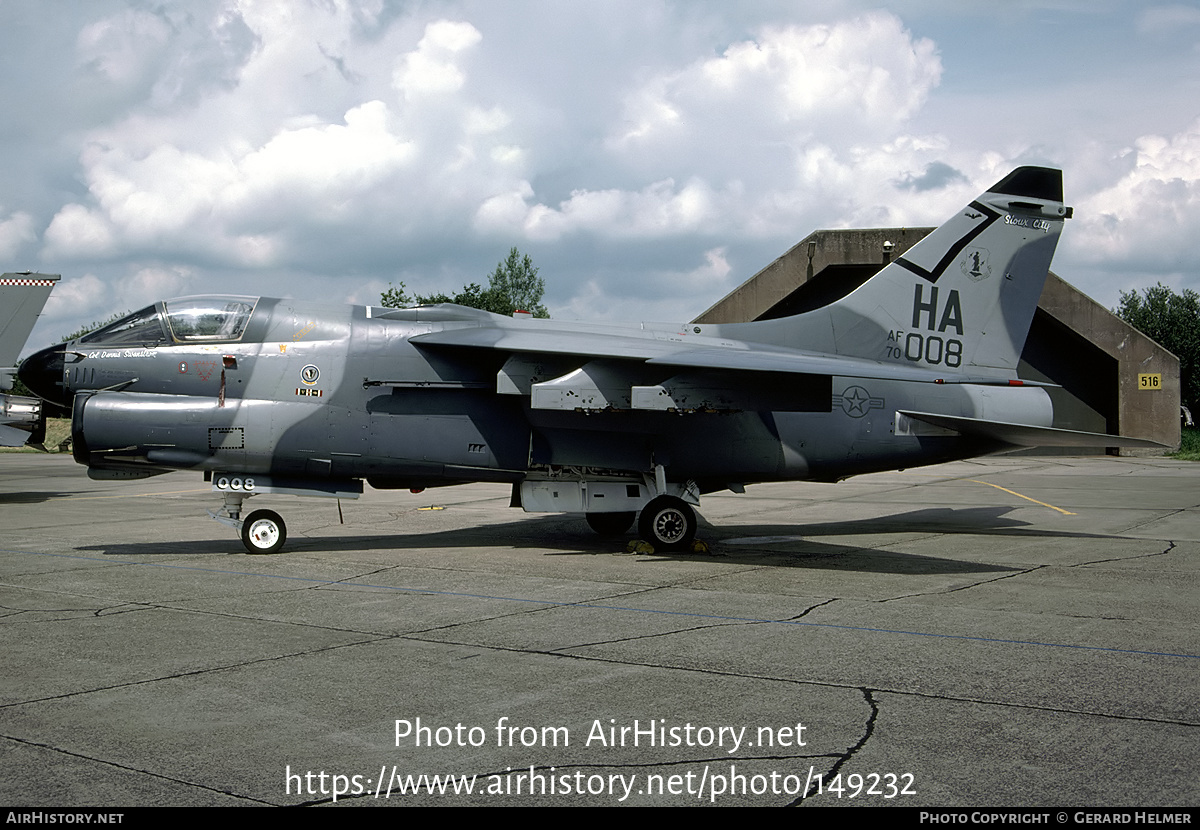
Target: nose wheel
[{"x": 263, "y": 531}]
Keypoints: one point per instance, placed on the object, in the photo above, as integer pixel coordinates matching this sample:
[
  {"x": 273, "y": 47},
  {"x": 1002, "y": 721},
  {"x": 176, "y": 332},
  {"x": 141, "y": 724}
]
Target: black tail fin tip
[{"x": 1032, "y": 182}]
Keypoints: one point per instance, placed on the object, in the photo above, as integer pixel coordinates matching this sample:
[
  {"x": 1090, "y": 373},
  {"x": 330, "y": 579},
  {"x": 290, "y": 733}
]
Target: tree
[
  {"x": 517, "y": 286},
  {"x": 513, "y": 286},
  {"x": 94, "y": 325},
  {"x": 1173, "y": 321},
  {"x": 395, "y": 297}
]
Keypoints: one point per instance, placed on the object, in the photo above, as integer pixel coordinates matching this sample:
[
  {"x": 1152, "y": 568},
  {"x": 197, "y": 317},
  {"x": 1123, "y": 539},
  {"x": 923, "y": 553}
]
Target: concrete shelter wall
[{"x": 1152, "y": 414}]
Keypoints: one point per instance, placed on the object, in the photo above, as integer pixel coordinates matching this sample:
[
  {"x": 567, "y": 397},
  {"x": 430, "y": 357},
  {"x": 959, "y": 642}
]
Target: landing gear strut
[{"x": 262, "y": 531}]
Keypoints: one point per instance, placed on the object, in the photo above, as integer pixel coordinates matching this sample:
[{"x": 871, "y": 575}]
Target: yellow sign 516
[{"x": 1150, "y": 381}]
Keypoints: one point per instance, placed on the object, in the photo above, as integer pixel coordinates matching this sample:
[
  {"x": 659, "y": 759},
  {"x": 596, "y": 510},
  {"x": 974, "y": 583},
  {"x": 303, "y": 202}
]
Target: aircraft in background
[
  {"x": 916, "y": 366},
  {"x": 22, "y": 297}
]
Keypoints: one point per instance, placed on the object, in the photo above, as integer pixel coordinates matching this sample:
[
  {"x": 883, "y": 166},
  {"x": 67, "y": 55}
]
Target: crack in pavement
[
  {"x": 808, "y": 682},
  {"x": 127, "y": 768},
  {"x": 692, "y": 629},
  {"x": 844, "y": 758},
  {"x": 194, "y": 672},
  {"x": 976, "y": 584},
  {"x": 1170, "y": 547}
]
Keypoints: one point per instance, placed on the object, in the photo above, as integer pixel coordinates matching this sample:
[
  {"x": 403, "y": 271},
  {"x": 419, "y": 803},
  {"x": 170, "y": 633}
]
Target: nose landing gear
[{"x": 262, "y": 531}]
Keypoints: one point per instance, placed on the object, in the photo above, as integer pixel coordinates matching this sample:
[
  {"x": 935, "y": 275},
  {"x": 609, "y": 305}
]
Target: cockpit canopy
[
  {"x": 214, "y": 319},
  {"x": 208, "y": 319}
]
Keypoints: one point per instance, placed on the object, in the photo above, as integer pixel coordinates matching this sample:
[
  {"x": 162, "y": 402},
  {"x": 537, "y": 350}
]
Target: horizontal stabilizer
[{"x": 1023, "y": 435}]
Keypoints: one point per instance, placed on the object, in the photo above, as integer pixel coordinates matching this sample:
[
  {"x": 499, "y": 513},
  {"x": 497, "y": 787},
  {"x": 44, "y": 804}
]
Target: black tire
[
  {"x": 263, "y": 531},
  {"x": 610, "y": 524},
  {"x": 667, "y": 523}
]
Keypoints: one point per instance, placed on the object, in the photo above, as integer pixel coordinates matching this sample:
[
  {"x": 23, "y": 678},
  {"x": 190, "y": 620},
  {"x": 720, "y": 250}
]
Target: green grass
[{"x": 1189, "y": 448}]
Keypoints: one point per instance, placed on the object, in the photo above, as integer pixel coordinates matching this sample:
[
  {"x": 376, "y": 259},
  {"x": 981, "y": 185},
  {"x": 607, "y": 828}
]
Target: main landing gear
[
  {"x": 665, "y": 517},
  {"x": 668, "y": 523}
]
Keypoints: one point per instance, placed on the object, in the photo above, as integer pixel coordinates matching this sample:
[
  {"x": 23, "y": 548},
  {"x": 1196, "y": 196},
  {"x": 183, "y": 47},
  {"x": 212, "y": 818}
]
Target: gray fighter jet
[
  {"x": 22, "y": 296},
  {"x": 917, "y": 366}
]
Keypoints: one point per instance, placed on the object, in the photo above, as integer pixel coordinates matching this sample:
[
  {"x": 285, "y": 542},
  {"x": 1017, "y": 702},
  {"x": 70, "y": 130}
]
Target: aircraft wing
[
  {"x": 675, "y": 351},
  {"x": 543, "y": 342},
  {"x": 797, "y": 362},
  {"x": 1023, "y": 435}
]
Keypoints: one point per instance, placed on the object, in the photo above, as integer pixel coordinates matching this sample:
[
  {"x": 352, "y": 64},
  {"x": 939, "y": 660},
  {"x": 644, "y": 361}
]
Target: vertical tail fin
[
  {"x": 963, "y": 297},
  {"x": 22, "y": 296}
]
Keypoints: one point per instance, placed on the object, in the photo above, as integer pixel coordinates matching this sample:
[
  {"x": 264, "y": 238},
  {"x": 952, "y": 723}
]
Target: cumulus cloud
[
  {"x": 660, "y": 208},
  {"x": 749, "y": 133},
  {"x": 432, "y": 69},
  {"x": 936, "y": 175},
  {"x": 761, "y": 121},
  {"x": 795, "y": 83},
  {"x": 15, "y": 231},
  {"x": 165, "y": 55},
  {"x": 73, "y": 300},
  {"x": 125, "y": 48},
  {"x": 384, "y": 170},
  {"x": 1150, "y": 216},
  {"x": 89, "y": 298},
  {"x": 678, "y": 295},
  {"x": 637, "y": 150}
]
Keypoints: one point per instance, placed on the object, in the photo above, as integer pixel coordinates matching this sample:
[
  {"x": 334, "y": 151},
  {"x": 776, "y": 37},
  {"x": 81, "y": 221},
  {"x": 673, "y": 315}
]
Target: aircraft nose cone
[{"x": 42, "y": 372}]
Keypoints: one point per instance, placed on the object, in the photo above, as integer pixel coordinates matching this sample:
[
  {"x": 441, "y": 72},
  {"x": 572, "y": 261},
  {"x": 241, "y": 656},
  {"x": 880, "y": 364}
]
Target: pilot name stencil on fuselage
[
  {"x": 123, "y": 353},
  {"x": 933, "y": 349}
]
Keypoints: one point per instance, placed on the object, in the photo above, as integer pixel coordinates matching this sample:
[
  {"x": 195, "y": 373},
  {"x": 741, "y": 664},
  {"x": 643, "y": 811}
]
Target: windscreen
[{"x": 141, "y": 328}]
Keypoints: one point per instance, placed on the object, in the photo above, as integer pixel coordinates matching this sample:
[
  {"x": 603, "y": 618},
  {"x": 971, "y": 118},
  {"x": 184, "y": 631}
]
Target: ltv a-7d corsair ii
[{"x": 916, "y": 366}]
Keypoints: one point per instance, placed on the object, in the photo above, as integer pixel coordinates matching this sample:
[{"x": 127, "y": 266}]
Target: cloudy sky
[{"x": 649, "y": 155}]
